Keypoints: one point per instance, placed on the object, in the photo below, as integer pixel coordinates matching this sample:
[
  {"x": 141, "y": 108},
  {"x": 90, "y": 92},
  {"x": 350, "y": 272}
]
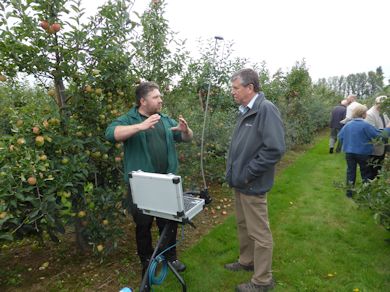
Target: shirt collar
[{"x": 244, "y": 109}]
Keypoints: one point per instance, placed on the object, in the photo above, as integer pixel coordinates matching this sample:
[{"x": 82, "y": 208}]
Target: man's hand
[
  {"x": 123, "y": 133},
  {"x": 149, "y": 122},
  {"x": 182, "y": 127}
]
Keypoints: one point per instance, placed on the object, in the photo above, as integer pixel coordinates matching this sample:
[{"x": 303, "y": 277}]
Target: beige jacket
[{"x": 373, "y": 118}]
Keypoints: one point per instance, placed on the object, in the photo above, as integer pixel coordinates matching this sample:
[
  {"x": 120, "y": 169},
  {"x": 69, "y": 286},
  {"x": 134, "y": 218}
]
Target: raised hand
[
  {"x": 150, "y": 122},
  {"x": 182, "y": 126}
]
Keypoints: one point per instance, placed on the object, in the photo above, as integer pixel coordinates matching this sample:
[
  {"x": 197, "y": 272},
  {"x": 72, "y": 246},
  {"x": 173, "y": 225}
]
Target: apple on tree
[
  {"x": 39, "y": 141},
  {"x": 56, "y": 27},
  {"x": 43, "y": 157},
  {"x": 81, "y": 214},
  {"x": 45, "y": 124},
  {"x": 51, "y": 92},
  {"x": 44, "y": 24},
  {"x": 19, "y": 123},
  {"x": 32, "y": 181},
  {"x": 36, "y": 130},
  {"x": 21, "y": 141},
  {"x": 88, "y": 88}
]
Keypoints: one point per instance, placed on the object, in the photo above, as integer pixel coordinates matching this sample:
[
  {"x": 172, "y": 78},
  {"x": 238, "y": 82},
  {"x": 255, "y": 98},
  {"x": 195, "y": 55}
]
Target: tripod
[{"x": 163, "y": 240}]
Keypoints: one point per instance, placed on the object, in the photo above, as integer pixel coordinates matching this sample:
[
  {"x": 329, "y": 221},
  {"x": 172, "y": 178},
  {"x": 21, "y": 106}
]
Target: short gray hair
[{"x": 247, "y": 76}]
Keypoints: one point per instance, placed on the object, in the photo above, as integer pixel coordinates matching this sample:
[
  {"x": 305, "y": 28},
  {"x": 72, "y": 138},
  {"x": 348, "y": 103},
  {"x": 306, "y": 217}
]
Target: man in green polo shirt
[{"x": 149, "y": 140}]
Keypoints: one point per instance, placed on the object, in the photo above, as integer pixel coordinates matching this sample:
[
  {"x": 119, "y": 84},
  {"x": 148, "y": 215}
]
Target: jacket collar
[
  {"x": 134, "y": 113},
  {"x": 260, "y": 98}
]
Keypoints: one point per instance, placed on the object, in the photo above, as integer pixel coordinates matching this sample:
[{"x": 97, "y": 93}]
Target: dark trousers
[
  {"x": 352, "y": 161},
  {"x": 333, "y": 139},
  {"x": 143, "y": 234}
]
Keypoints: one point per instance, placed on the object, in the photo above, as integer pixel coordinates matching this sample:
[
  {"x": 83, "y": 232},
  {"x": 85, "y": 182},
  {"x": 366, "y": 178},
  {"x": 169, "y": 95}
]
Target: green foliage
[
  {"x": 89, "y": 71},
  {"x": 154, "y": 57},
  {"x": 303, "y": 109},
  {"x": 93, "y": 59},
  {"x": 385, "y": 105},
  {"x": 375, "y": 195}
]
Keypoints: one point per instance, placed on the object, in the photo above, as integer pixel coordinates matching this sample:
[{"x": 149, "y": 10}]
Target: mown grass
[{"x": 323, "y": 241}]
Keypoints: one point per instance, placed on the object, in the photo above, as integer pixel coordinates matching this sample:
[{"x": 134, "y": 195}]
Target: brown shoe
[
  {"x": 235, "y": 267},
  {"x": 252, "y": 287}
]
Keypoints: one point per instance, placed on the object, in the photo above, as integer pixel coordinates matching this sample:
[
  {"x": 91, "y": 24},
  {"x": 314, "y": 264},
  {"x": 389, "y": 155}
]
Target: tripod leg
[
  {"x": 177, "y": 275},
  {"x": 145, "y": 285}
]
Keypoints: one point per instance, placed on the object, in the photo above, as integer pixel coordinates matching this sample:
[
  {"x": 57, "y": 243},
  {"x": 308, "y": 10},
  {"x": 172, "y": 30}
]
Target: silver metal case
[{"x": 161, "y": 195}]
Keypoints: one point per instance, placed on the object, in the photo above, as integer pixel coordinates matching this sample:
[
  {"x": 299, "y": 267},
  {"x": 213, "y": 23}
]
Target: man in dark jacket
[
  {"x": 257, "y": 145},
  {"x": 149, "y": 138},
  {"x": 338, "y": 114}
]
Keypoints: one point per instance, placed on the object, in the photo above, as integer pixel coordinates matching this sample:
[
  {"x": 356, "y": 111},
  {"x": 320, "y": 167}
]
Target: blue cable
[{"x": 159, "y": 279}]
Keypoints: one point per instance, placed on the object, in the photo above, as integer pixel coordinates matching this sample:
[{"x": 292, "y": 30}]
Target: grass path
[{"x": 323, "y": 241}]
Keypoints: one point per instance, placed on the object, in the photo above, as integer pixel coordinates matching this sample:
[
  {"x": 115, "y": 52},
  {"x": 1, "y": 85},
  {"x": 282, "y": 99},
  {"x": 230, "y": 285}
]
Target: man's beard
[{"x": 155, "y": 111}]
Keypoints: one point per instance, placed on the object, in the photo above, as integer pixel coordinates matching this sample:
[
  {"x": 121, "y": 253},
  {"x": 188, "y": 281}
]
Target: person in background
[
  {"x": 379, "y": 120},
  {"x": 352, "y": 103},
  {"x": 357, "y": 136},
  {"x": 338, "y": 114},
  {"x": 257, "y": 145},
  {"x": 149, "y": 145}
]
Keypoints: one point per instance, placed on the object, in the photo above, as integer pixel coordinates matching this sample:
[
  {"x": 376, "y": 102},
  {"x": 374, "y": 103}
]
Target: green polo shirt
[
  {"x": 137, "y": 152},
  {"x": 157, "y": 146}
]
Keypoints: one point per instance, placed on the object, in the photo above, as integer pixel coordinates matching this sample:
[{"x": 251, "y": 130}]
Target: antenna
[{"x": 217, "y": 38}]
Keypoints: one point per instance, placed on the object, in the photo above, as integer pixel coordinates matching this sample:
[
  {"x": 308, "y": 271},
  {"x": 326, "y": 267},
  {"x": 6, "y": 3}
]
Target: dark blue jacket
[{"x": 338, "y": 114}]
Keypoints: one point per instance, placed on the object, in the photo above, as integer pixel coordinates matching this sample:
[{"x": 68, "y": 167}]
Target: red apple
[
  {"x": 44, "y": 24},
  {"x": 56, "y": 27},
  {"x": 36, "y": 130}
]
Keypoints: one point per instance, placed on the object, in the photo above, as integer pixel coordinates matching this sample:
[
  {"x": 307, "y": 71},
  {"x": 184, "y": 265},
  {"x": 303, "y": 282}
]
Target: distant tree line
[{"x": 363, "y": 84}]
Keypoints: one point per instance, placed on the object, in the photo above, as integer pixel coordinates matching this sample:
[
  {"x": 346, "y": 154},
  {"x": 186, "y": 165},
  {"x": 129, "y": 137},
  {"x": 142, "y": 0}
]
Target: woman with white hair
[{"x": 356, "y": 137}]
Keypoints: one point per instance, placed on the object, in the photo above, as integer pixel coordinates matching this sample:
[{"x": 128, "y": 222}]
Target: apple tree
[{"x": 56, "y": 167}]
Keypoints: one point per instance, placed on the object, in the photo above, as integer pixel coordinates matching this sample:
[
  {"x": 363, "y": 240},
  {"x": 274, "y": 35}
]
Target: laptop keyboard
[{"x": 189, "y": 202}]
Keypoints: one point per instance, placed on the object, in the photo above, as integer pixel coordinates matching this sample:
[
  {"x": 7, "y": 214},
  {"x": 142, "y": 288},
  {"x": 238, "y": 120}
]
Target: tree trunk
[
  {"x": 60, "y": 92},
  {"x": 81, "y": 241}
]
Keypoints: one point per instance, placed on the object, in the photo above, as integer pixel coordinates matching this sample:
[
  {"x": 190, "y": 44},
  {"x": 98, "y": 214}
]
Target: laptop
[{"x": 161, "y": 195}]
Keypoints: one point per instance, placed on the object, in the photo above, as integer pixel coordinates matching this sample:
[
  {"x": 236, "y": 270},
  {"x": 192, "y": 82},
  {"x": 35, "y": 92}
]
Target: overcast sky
[{"x": 336, "y": 37}]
